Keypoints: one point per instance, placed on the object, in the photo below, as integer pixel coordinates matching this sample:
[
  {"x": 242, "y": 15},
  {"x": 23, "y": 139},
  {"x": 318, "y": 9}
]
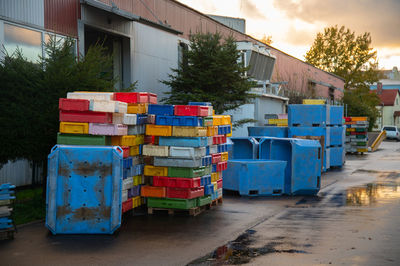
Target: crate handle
[
  {"x": 119, "y": 149},
  {"x": 55, "y": 147}
]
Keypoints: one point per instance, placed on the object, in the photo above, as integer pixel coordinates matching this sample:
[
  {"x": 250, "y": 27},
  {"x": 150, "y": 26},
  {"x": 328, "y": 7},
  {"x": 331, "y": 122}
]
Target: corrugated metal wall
[
  {"x": 62, "y": 16},
  {"x": 27, "y": 11}
]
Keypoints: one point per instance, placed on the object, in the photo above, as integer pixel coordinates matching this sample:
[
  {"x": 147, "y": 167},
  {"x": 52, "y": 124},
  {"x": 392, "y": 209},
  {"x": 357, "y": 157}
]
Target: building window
[
  {"x": 28, "y": 41},
  {"x": 182, "y": 49}
]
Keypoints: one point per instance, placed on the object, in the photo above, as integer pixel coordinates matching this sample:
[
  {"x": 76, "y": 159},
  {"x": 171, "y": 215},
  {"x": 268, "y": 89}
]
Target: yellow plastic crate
[
  {"x": 350, "y": 129},
  {"x": 74, "y": 128},
  {"x": 219, "y": 175},
  {"x": 134, "y": 150},
  {"x": 359, "y": 118},
  {"x": 215, "y": 185},
  {"x": 278, "y": 121},
  {"x": 314, "y": 101},
  {"x": 217, "y": 120},
  {"x": 226, "y": 120},
  {"x": 362, "y": 150},
  {"x": 139, "y": 139},
  {"x": 123, "y": 140},
  {"x": 150, "y": 170},
  {"x": 189, "y": 131},
  {"x": 157, "y": 130},
  {"x": 229, "y": 134},
  {"x": 136, "y": 201},
  {"x": 224, "y": 156},
  {"x": 137, "y": 180},
  {"x": 214, "y": 177},
  {"x": 137, "y": 108},
  {"x": 212, "y": 131}
]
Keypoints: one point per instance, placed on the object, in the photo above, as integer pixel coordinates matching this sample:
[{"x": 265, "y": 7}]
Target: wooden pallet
[
  {"x": 216, "y": 202},
  {"x": 191, "y": 212}
]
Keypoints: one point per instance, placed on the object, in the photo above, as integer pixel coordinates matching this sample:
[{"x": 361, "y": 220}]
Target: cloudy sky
[{"x": 293, "y": 24}]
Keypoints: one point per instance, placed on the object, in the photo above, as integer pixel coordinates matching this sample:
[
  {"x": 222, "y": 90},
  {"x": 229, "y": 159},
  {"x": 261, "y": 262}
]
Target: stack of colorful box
[
  {"x": 188, "y": 152},
  {"x": 356, "y": 134},
  {"x": 6, "y": 208},
  {"x": 109, "y": 119}
]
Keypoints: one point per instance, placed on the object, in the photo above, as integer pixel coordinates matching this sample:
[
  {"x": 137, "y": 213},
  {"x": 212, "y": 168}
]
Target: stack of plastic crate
[
  {"x": 7, "y": 197},
  {"x": 356, "y": 134},
  {"x": 187, "y": 154},
  {"x": 322, "y": 121},
  {"x": 109, "y": 119}
]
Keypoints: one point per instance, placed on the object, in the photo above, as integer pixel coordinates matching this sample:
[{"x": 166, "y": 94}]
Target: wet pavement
[{"x": 353, "y": 220}]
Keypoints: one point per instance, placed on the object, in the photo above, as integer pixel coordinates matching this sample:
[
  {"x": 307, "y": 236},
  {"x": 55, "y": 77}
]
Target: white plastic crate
[
  {"x": 124, "y": 195},
  {"x": 213, "y": 149},
  {"x": 210, "y": 141},
  {"x": 127, "y": 183},
  {"x": 130, "y": 119},
  {"x": 100, "y": 96},
  {"x": 121, "y": 107},
  {"x": 136, "y": 129},
  {"x": 155, "y": 150},
  {"x": 136, "y": 160},
  {"x": 108, "y": 106},
  {"x": 162, "y": 161},
  {"x": 108, "y": 129},
  {"x": 187, "y": 152},
  {"x": 210, "y": 111},
  {"x": 118, "y": 118}
]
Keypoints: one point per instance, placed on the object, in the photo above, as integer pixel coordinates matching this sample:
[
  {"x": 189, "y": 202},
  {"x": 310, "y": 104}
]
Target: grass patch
[{"x": 29, "y": 205}]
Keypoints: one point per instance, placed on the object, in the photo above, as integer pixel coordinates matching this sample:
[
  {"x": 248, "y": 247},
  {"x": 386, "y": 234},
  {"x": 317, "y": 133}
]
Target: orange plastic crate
[{"x": 153, "y": 192}]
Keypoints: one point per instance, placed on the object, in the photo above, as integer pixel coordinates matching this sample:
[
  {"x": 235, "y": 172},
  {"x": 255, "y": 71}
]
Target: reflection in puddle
[{"x": 372, "y": 194}]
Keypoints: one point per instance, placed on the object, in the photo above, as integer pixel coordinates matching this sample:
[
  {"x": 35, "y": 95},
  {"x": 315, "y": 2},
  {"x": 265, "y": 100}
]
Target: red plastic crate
[
  {"x": 185, "y": 193},
  {"x": 186, "y": 110},
  {"x": 125, "y": 150},
  {"x": 147, "y": 97},
  {"x": 184, "y": 182},
  {"x": 203, "y": 111},
  {"x": 160, "y": 181},
  {"x": 73, "y": 104},
  {"x": 219, "y": 139},
  {"x": 126, "y": 97},
  {"x": 219, "y": 183},
  {"x": 222, "y": 166},
  {"x": 152, "y": 98},
  {"x": 85, "y": 117},
  {"x": 127, "y": 205},
  {"x": 358, "y": 133},
  {"x": 148, "y": 139},
  {"x": 216, "y": 158}
]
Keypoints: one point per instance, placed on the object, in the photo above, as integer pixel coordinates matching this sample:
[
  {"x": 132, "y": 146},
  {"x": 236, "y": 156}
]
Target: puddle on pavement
[
  {"x": 372, "y": 193},
  {"x": 240, "y": 251}
]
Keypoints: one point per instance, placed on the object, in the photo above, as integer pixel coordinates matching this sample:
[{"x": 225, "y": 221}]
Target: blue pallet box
[
  {"x": 312, "y": 131},
  {"x": 244, "y": 148},
  {"x": 336, "y": 115},
  {"x": 264, "y": 148},
  {"x": 303, "y": 171},
  {"x": 278, "y": 132},
  {"x": 308, "y": 115},
  {"x": 160, "y": 109},
  {"x": 336, "y": 156},
  {"x": 337, "y": 135},
  {"x": 84, "y": 189},
  {"x": 183, "y": 141},
  {"x": 255, "y": 177}
]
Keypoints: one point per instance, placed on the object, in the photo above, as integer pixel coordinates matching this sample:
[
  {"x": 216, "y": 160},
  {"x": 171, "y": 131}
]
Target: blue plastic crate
[
  {"x": 200, "y": 103},
  {"x": 137, "y": 169},
  {"x": 224, "y": 129},
  {"x": 214, "y": 195},
  {"x": 255, "y": 177},
  {"x": 208, "y": 189},
  {"x": 279, "y": 132},
  {"x": 84, "y": 189},
  {"x": 303, "y": 171},
  {"x": 312, "y": 131},
  {"x": 308, "y": 115},
  {"x": 336, "y": 156},
  {"x": 222, "y": 148},
  {"x": 5, "y": 223},
  {"x": 336, "y": 115},
  {"x": 141, "y": 119},
  {"x": 244, "y": 148},
  {"x": 187, "y": 121},
  {"x": 127, "y": 162},
  {"x": 206, "y": 160},
  {"x": 205, "y": 180},
  {"x": 134, "y": 192},
  {"x": 140, "y": 149},
  {"x": 164, "y": 120},
  {"x": 214, "y": 168},
  {"x": 183, "y": 141},
  {"x": 337, "y": 135},
  {"x": 160, "y": 109},
  {"x": 208, "y": 150}
]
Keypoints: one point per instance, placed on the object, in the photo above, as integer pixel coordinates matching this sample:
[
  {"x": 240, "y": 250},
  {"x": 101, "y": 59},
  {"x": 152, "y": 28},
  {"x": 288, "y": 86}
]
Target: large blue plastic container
[
  {"x": 337, "y": 156},
  {"x": 303, "y": 171},
  {"x": 244, "y": 148},
  {"x": 337, "y": 135},
  {"x": 255, "y": 177},
  {"x": 336, "y": 115},
  {"x": 308, "y": 115},
  {"x": 279, "y": 132},
  {"x": 311, "y": 131},
  {"x": 264, "y": 148},
  {"x": 84, "y": 189},
  {"x": 183, "y": 141}
]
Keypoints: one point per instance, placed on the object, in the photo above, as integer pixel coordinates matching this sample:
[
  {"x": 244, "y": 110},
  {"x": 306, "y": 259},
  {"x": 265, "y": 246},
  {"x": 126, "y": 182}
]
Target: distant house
[
  {"x": 389, "y": 108},
  {"x": 391, "y": 80}
]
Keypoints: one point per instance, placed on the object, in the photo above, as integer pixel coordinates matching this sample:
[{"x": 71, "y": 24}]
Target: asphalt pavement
[{"x": 353, "y": 221}]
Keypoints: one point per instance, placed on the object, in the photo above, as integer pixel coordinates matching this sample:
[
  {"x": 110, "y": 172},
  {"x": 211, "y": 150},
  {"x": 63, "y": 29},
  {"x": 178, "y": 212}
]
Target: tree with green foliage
[
  {"x": 341, "y": 52},
  {"x": 210, "y": 72},
  {"x": 29, "y": 94}
]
